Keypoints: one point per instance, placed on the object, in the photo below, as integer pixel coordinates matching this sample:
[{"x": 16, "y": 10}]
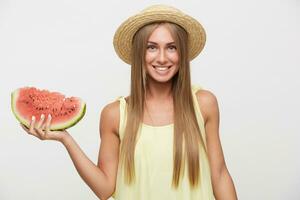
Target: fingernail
[
  {"x": 33, "y": 118},
  {"x": 42, "y": 116},
  {"x": 49, "y": 115}
]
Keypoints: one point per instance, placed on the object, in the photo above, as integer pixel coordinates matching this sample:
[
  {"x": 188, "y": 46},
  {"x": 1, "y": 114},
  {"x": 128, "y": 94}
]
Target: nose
[{"x": 162, "y": 58}]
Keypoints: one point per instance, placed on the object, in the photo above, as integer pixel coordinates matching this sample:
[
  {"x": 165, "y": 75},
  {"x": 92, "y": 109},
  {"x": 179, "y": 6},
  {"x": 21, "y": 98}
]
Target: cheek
[
  {"x": 149, "y": 57},
  {"x": 174, "y": 57}
]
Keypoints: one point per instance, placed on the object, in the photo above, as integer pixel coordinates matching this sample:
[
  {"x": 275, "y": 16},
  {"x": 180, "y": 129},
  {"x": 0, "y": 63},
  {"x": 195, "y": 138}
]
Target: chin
[{"x": 161, "y": 79}]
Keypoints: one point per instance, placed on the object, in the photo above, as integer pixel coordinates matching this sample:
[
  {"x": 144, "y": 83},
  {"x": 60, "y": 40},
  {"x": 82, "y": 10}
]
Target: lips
[{"x": 161, "y": 68}]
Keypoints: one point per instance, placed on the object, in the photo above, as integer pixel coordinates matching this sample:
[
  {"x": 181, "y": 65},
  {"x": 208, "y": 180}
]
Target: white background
[{"x": 250, "y": 62}]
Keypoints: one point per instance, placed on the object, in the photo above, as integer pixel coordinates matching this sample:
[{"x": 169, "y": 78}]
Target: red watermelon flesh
[{"x": 30, "y": 101}]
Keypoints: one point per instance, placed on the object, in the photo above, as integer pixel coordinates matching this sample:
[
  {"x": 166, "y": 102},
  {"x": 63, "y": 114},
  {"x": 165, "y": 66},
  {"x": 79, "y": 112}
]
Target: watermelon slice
[{"x": 30, "y": 101}]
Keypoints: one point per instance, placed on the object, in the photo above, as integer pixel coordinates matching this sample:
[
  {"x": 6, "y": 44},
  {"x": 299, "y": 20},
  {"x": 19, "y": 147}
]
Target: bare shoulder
[
  {"x": 110, "y": 117},
  {"x": 208, "y": 103}
]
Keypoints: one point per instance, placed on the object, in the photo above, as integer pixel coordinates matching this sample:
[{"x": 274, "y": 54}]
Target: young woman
[{"x": 162, "y": 141}]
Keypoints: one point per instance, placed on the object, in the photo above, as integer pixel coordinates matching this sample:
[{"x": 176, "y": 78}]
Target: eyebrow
[{"x": 156, "y": 43}]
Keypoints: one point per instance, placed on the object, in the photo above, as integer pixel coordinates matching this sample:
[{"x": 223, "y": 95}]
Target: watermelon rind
[
  {"x": 71, "y": 123},
  {"x": 57, "y": 126},
  {"x": 14, "y": 97}
]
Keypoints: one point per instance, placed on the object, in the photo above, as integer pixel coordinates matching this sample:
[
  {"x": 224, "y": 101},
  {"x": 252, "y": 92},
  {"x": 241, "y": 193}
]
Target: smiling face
[{"x": 161, "y": 57}]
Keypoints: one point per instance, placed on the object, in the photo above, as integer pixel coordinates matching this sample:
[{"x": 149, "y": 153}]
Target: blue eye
[
  {"x": 172, "y": 47},
  {"x": 151, "y": 47}
]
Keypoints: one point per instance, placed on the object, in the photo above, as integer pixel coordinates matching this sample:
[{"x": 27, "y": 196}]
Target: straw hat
[{"x": 124, "y": 34}]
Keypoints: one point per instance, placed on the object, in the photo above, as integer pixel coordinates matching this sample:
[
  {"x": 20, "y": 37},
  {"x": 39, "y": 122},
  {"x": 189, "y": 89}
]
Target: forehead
[{"x": 161, "y": 35}]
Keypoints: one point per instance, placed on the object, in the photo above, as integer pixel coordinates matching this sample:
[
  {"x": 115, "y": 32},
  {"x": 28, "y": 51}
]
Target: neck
[{"x": 159, "y": 91}]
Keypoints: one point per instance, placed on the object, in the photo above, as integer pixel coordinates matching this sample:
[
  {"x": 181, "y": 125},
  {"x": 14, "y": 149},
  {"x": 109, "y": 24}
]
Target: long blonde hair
[{"x": 187, "y": 135}]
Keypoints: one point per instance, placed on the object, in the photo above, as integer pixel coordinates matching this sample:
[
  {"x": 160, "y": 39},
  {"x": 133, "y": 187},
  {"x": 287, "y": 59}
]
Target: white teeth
[{"x": 162, "y": 68}]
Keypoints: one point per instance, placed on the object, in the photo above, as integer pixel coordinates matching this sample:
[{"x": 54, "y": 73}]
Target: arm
[
  {"x": 100, "y": 178},
  {"x": 223, "y": 185}
]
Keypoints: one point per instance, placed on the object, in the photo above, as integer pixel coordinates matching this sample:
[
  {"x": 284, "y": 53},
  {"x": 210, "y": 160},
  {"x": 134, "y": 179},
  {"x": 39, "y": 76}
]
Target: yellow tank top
[{"x": 154, "y": 164}]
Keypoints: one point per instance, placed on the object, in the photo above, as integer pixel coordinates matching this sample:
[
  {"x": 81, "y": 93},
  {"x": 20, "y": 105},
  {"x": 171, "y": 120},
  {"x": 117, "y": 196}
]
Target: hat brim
[{"x": 124, "y": 34}]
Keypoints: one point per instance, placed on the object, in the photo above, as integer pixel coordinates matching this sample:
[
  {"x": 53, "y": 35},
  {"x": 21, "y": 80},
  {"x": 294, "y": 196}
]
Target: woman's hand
[{"x": 41, "y": 129}]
